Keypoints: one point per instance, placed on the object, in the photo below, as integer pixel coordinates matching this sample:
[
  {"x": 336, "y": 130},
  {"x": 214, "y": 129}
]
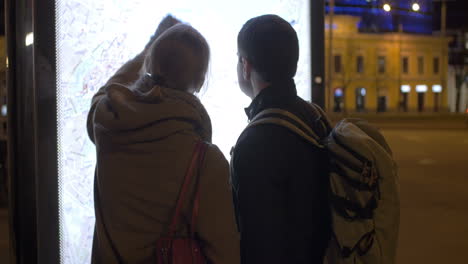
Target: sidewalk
[{"x": 4, "y": 237}]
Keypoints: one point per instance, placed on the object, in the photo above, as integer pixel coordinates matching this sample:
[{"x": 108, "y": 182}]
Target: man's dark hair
[{"x": 270, "y": 44}]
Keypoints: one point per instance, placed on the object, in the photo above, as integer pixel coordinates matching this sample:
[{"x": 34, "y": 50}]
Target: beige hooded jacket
[{"x": 143, "y": 144}]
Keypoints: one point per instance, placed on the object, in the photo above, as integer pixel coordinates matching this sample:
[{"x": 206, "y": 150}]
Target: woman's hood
[{"x": 125, "y": 116}]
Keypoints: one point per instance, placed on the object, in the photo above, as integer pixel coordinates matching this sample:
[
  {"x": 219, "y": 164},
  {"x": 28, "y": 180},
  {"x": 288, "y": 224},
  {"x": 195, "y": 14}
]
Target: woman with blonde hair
[{"x": 147, "y": 126}]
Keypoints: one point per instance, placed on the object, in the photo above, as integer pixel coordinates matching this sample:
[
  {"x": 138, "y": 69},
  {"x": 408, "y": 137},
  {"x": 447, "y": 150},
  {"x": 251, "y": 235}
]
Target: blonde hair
[{"x": 179, "y": 59}]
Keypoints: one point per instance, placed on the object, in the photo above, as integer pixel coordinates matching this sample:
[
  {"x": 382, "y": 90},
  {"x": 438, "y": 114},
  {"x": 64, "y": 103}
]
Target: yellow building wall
[{"x": 349, "y": 44}]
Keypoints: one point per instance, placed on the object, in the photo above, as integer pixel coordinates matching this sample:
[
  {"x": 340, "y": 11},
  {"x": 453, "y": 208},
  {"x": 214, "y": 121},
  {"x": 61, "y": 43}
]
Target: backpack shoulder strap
[
  {"x": 196, "y": 203},
  {"x": 197, "y": 156},
  {"x": 283, "y": 113},
  {"x": 279, "y": 117}
]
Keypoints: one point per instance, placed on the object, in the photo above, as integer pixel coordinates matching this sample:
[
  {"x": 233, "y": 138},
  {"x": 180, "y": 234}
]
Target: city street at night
[
  {"x": 433, "y": 169},
  {"x": 98, "y": 120}
]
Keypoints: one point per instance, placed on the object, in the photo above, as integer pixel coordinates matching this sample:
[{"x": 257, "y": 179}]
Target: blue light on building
[{"x": 376, "y": 19}]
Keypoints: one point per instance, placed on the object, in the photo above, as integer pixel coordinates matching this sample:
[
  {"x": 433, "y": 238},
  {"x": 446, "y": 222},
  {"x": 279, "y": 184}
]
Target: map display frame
[{"x": 94, "y": 38}]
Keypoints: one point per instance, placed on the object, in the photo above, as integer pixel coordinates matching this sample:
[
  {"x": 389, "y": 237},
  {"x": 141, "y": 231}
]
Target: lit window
[
  {"x": 363, "y": 92},
  {"x": 437, "y": 88},
  {"x": 360, "y": 99},
  {"x": 405, "y": 88},
  {"x": 4, "y": 110},
  {"x": 422, "y": 88},
  {"x": 338, "y": 92}
]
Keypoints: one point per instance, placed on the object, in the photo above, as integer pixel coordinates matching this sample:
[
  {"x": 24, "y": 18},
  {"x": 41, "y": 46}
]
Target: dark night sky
[
  {"x": 456, "y": 14},
  {"x": 2, "y": 17}
]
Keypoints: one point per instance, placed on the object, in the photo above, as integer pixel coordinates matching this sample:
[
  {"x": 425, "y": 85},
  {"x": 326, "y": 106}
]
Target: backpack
[{"x": 363, "y": 185}]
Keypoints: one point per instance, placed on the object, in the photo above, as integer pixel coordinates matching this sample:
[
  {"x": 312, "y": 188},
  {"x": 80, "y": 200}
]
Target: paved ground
[{"x": 434, "y": 196}]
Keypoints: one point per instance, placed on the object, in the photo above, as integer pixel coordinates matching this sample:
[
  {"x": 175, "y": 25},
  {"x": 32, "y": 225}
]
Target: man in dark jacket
[{"x": 279, "y": 180}]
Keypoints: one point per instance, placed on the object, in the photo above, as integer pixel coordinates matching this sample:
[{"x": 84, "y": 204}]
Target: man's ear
[{"x": 246, "y": 69}]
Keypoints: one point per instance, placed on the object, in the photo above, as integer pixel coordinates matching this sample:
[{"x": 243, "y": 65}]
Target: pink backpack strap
[
  {"x": 195, "y": 163},
  {"x": 196, "y": 203}
]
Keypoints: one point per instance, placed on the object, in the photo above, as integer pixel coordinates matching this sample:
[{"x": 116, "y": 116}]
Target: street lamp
[
  {"x": 416, "y": 7},
  {"x": 387, "y": 7}
]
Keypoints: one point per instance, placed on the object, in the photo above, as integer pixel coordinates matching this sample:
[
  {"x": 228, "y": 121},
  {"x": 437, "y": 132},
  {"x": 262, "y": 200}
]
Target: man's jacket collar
[{"x": 277, "y": 95}]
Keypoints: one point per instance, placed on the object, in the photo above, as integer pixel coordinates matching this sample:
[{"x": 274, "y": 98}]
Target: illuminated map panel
[{"x": 94, "y": 38}]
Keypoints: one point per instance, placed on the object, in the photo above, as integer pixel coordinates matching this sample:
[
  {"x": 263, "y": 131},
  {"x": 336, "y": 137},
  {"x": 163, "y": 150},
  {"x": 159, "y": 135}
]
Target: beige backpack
[{"x": 363, "y": 190}]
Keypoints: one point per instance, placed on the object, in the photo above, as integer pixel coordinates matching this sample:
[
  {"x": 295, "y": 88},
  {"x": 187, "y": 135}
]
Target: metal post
[
  {"x": 400, "y": 69},
  {"x": 443, "y": 27},
  {"x": 443, "y": 43},
  {"x": 21, "y": 133},
  {"x": 317, "y": 10},
  {"x": 44, "y": 74},
  {"x": 331, "y": 13},
  {"x": 443, "y": 18},
  {"x": 10, "y": 29}
]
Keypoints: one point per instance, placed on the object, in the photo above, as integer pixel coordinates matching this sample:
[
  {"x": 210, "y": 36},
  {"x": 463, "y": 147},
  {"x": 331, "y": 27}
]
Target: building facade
[{"x": 385, "y": 71}]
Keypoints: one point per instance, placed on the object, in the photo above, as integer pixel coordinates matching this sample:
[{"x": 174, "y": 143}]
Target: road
[{"x": 433, "y": 167}]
